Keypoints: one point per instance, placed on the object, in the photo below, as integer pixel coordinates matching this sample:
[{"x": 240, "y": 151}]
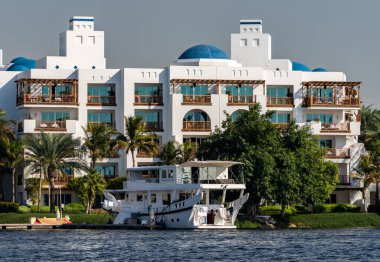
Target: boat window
[
  {"x": 139, "y": 197},
  {"x": 163, "y": 173},
  {"x": 153, "y": 198},
  {"x": 171, "y": 174},
  {"x": 126, "y": 197},
  {"x": 166, "y": 199}
]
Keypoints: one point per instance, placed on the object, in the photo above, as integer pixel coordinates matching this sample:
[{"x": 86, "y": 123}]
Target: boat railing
[{"x": 194, "y": 178}]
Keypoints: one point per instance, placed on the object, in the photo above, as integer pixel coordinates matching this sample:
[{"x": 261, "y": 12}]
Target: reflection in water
[{"x": 191, "y": 245}]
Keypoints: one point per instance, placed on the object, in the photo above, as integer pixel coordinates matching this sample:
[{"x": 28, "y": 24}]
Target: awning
[{"x": 210, "y": 163}]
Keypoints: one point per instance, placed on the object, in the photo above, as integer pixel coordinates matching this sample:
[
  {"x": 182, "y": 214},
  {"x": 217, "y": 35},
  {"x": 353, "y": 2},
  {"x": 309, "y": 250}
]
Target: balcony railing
[
  {"x": 101, "y": 100},
  {"x": 344, "y": 180},
  {"x": 45, "y": 99},
  {"x": 335, "y": 127},
  {"x": 241, "y": 100},
  {"x": 50, "y": 125},
  {"x": 330, "y": 101},
  {"x": 282, "y": 125},
  {"x": 337, "y": 153},
  {"x": 196, "y": 126},
  {"x": 279, "y": 101},
  {"x": 153, "y": 126},
  {"x": 109, "y": 124},
  {"x": 148, "y": 100},
  {"x": 196, "y": 99},
  {"x": 61, "y": 181}
]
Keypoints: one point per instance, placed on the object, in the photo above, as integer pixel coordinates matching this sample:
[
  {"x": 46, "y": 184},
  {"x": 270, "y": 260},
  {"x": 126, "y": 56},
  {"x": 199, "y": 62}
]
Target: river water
[{"x": 191, "y": 245}]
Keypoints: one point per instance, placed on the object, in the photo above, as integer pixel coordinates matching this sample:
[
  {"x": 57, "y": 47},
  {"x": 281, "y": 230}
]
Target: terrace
[
  {"x": 47, "y": 91},
  {"x": 331, "y": 94}
]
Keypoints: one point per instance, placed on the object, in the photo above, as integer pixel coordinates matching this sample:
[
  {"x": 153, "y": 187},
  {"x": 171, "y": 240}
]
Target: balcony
[
  {"x": 109, "y": 124},
  {"x": 196, "y": 100},
  {"x": 148, "y": 154},
  {"x": 335, "y": 127},
  {"x": 279, "y": 101},
  {"x": 197, "y": 126},
  {"x": 337, "y": 153},
  {"x": 55, "y": 126},
  {"x": 154, "y": 126},
  {"x": 148, "y": 100},
  {"x": 101, "y": 100},
  {"x": 331, "y": 94},
  {"x": 47, "y": 91},
  {"x": 282, "y": 125},
  {"x": 60, "y": 181},
  {"x": 241, "y": 100}
]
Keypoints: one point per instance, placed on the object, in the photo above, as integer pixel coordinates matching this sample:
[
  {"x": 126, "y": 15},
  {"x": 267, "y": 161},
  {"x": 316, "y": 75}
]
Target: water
[{"x": 191, "y": 245}]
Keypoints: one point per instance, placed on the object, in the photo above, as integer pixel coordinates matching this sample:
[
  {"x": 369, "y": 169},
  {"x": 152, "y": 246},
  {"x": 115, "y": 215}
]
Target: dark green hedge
[
  {"x": 8, "y": 207},
  {"x": 336, "y": 208}
]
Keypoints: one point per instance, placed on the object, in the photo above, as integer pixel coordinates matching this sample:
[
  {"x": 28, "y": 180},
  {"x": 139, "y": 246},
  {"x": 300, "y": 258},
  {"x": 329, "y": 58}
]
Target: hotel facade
[{"x": 184, "y": 101}]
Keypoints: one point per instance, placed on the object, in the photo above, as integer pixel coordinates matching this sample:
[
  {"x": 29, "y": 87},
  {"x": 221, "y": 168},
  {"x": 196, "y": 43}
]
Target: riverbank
[
  {"x": 313, "y": 221},
  {"x": 17, "y": 218}
]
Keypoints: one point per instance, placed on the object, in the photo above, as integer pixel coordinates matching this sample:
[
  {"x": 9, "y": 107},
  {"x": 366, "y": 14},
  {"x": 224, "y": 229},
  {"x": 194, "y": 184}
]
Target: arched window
[
  {"x": 196, "y": 120},
  {"x": 236, "y": 113}
]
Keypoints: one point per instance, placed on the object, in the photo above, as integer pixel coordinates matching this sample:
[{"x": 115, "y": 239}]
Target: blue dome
[
  {"x": 296, "y": 66},
  {"x": 320, "y": 69},
  {"x": 29, "y": 63},
  {"x": 16, "y": 67},
  {"x": 203, "y": 51},
  {"x": 19, "y": 60}
]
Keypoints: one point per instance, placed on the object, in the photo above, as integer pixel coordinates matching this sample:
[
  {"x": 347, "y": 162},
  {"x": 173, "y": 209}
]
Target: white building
[{"x": 184, "y": 101}]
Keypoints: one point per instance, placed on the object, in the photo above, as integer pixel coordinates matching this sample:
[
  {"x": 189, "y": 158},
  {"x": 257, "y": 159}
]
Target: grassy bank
[
  {"x": 335, "y": 220},
  {"x": 15, "y": 218}
]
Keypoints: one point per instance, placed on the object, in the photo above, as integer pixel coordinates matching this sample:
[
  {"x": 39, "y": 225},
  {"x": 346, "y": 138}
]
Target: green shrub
[
  {"x": 24, "y": 209},
  {"x": 74, "y": 208},
  {"x": 43, "y": 209},
  {"x": 336, "y": 208},
  {"x": 276, "y": 210},
  {"x": 8, "y": 207},
  {"x": 301, "y": 209},
  {"x": 246, "y": 224}
]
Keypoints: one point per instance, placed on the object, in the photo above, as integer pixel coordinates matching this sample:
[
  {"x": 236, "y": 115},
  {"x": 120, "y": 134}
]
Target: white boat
[{"x": 196, "y": 194}]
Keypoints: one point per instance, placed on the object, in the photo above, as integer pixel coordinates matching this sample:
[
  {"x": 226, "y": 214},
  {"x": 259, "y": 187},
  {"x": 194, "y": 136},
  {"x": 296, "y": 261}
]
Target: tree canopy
[{"x": 282, "y": 165}]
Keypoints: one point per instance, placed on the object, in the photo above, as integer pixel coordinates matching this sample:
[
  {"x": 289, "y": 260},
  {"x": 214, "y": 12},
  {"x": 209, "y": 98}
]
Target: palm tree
[
  {"x": 188, "y": 151},
  {"x": 12, "y": 158},
  {"x": 98, "y": 142},
  {"x": 174, "y": 153},
  {"x": 369, "y": 171},
  {"x": 57, "y": 151},
  {"x": 370, "y": 122},
  {"x": 137, "y": 138},
  {"x": 171, "y": 153},
  {"x": 94, "y": 182},
  {"x": 7, "y": 127}
]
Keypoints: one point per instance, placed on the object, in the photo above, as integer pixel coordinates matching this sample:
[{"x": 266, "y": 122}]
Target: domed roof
[
  {"x": 296, "y": 66},
  {"x": 203, "y": 51},
  {"x": 320, "y": 69},
  {"x": 16, "y": 67},
  {"x": 19, "y": 59},
  {"x": 29, "y": 63}
]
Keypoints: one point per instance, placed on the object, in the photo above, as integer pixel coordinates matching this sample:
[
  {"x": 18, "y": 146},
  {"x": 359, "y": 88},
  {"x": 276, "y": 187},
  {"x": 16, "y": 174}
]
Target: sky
[{"x": 339, "y": 35}]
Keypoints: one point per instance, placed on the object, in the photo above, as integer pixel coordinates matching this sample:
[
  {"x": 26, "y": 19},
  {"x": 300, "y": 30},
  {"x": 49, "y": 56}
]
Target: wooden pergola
[
  {"x": 24, "y": 86},
  {"x": 350, "y": 93},
  {"x": 218, "y": 82}
]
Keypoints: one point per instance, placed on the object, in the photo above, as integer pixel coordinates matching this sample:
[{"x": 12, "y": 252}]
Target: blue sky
[{"x": 339, "y": 35}]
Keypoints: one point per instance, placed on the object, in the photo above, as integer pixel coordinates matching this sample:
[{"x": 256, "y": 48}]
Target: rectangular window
[
  {"x": 280, "y": 118},
  {"x": 243, "y": 42},
  {"x": 99, "y": 117},
  {"x": 139, "y": 197},
  {"x": 255, "y": 42},
  {"x": 147, "y": 90},
  {"x": 278, "y": 92},
  {"x": 106, "y": 170},
  {"x": 79, "y": 39},
  {"x": 325, "y": 143},
  {"x": 243, "y": 90},
  {"x": 91, "y": 40},
  {"x": 153, "y": 198},
  {"x": 55, "y": 116},
  {"x": 100, "y": 90},
  {"x": 163, "y": 174},
  {"x": 150, "y": 116},
  {"x": 324, "y": 118},
  {"x": 194, "y": 90}
]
